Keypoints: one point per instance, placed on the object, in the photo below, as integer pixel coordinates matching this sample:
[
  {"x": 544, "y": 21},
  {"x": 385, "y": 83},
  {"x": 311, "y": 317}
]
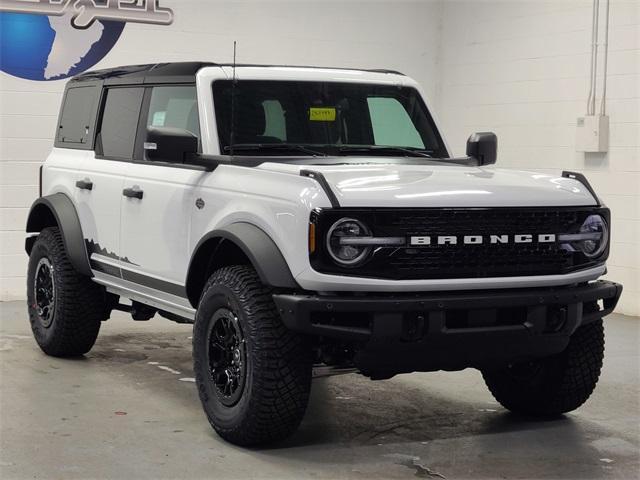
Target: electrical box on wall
[{"x": 592, "y": 134}]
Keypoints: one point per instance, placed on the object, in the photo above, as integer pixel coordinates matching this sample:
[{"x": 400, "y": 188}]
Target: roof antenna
[{"x": 233, "y": 103}]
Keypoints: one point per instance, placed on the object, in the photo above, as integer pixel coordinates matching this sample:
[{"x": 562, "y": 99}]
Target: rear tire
[
  {"x": 65, "y": 307},
  {"x": 554, "y": 385},
  {"x": 253, "y": 374}
]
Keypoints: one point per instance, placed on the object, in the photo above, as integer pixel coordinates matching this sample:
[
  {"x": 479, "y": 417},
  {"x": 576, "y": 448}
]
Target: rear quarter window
[{"x": 77, "y": 118}]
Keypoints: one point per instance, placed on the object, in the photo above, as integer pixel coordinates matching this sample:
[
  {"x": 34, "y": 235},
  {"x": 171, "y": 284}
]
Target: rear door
[
  {"x": 101, "y": 177},
  {"x": 155, "y": 226}
]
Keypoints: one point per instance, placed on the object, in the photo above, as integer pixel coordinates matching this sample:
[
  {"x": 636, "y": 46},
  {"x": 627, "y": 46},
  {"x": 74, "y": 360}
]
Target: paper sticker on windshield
[{"x": 322, "y": 114}]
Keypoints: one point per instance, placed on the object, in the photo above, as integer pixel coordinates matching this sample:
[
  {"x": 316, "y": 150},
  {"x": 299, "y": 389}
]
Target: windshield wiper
[
  {"x": 294, "y": 147},
  {"x": 407, "y": 152}
]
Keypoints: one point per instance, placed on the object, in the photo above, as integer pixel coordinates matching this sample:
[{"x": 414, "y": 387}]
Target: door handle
[
  {"x": 133, "y": 192},
  {"x": 85, "y": 184}
]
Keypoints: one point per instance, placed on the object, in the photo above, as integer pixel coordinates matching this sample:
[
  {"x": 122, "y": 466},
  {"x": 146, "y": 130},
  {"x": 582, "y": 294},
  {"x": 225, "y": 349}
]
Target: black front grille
[{"x": 461, "y": 260}]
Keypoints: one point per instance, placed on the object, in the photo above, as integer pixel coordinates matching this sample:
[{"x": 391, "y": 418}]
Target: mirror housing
[
  {"x": 483, "y": 146},
  {"x": 168, "y": 144}
]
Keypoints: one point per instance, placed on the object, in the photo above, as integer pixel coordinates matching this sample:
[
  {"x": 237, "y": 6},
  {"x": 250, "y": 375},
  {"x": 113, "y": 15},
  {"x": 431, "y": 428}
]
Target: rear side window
[
  {"x": 76, "y": 120},
  {"x": 120, "y": 115}
]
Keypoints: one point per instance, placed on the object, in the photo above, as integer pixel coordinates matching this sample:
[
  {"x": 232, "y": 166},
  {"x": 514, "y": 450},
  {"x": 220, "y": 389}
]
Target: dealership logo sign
[
  {"x": 85, "y": 12},
  {"x": 56, "y": 39}
]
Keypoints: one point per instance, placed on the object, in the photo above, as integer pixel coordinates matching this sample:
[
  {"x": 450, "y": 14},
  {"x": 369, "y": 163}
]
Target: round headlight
[
  {"x": 339, "y": 246},
  {"x": 593, "y": 237}
]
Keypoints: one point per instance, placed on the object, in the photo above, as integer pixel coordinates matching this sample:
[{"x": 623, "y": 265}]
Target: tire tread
[
  {"x": 570, "y": 377},
  {"x": 80, "y": 303},
  {"x": 281, "y": 363}
]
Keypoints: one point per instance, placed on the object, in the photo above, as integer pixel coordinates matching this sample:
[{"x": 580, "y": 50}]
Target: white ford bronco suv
[{"x": 312, "y": 220}]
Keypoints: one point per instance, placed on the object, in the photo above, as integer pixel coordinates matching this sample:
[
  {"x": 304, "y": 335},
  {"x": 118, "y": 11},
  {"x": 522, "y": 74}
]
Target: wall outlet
[{"x": 592, "y": 134}]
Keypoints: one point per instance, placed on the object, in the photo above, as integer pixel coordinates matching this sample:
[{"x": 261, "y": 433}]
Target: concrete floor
[{"x": 129, "y": 411}]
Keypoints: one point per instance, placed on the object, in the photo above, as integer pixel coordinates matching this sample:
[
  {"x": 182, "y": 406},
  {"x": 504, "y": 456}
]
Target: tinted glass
[
  {"x": 120, "y": 122},
  {"x": 275, "y": 121},
  {"x": 175, "y": 107},
  {"x": 392, "y": 124},
  {"x": 325, "y": 115},
  {"x": 77, "y": 117}
]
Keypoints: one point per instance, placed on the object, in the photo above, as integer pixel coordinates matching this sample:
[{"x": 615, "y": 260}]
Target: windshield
[{"x": 324, "y": 118}]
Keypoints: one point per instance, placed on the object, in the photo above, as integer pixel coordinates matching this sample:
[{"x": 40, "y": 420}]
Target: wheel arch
[
  {"x": 57, "y": 210},
  {"x": 238, "y": 243}
]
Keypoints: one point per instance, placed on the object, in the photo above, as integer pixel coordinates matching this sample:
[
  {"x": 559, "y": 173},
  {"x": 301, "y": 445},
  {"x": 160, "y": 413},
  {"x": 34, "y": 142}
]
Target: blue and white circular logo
[
  {"x": 38, "y": 47},
  {"x": 56, "y": 39}
]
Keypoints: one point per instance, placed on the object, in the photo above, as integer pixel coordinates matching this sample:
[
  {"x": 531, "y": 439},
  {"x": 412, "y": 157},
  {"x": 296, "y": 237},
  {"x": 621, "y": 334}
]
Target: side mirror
[
  {"x": 483, "y": 146},
  {"x": 169, "y": 144}
]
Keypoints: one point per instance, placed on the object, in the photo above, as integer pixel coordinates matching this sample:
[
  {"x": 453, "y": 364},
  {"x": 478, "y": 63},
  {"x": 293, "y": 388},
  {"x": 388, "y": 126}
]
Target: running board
[{"x": 161, "y": 300}]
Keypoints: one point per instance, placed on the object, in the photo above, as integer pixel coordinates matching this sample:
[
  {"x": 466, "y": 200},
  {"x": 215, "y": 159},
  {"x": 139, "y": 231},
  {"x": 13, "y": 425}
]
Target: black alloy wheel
[
  {"x": 44, "y": 287},
  {"x": 227, "y": 356},
  {"x": 65, "y": 307}
]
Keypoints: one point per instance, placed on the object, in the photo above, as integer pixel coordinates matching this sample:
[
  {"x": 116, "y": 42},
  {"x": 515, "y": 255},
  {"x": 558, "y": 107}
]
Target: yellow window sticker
[{"x": 322, "y": 114}]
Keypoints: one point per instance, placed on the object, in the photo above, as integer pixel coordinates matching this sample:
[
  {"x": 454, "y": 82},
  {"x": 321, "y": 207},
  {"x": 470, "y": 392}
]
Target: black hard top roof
[{"x": 174, "y": 72}]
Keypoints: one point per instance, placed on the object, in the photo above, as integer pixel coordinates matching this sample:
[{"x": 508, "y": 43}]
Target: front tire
[
  {"x": 65, "y": 307},
  {"x": 253, "y": 374},
  {"x": 554, "y": 385}
]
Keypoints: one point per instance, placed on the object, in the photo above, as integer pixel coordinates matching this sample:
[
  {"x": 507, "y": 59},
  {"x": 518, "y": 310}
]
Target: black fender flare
[
  {"x": 259, "y": 248},
  {"x": 59, "y": 208}
]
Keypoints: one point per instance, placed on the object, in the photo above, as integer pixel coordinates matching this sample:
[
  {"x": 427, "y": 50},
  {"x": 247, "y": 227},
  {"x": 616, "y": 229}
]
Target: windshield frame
[{"x": 333, "y": 150}]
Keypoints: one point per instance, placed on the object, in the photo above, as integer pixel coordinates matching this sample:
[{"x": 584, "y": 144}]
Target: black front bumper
[{"x": 433, "y": 331}]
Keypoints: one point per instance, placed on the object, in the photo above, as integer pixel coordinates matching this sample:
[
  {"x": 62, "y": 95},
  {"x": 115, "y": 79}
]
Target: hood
[{"x": 393, "y": 185}]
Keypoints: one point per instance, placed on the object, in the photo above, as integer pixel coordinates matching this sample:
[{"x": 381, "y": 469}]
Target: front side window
[
  {"x": 174, "y": 107},
  {"x": 120, "y": 115},
  {"x": 283, "y": 117}
]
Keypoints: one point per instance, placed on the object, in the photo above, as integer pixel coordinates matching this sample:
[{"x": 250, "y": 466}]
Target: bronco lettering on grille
[{"x": 481, "y": 239}]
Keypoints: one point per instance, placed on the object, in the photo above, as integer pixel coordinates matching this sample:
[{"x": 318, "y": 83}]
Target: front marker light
[
  {"x": 312, "y": 237},
  {"x": 592, "y": 239}
]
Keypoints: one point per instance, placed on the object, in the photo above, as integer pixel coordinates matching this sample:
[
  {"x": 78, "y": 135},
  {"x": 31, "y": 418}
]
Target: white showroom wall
[{"x": 519, "y": 68}]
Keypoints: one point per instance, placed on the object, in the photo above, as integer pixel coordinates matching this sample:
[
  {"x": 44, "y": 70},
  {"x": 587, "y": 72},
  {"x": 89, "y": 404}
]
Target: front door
[
  {"x": 101, "y": 178},
  {"x": 155, "y": 219}
]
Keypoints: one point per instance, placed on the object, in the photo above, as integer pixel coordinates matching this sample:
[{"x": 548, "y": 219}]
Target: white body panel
[
  {"x": 280, "y": 204},
  {"x": 158, "y": 234},
  {"x": 60, "y": 171},
  {"x": 157, "y": 226},
  {"x": 99, "y": 208},
  {"x": 443, "y": 185}
]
